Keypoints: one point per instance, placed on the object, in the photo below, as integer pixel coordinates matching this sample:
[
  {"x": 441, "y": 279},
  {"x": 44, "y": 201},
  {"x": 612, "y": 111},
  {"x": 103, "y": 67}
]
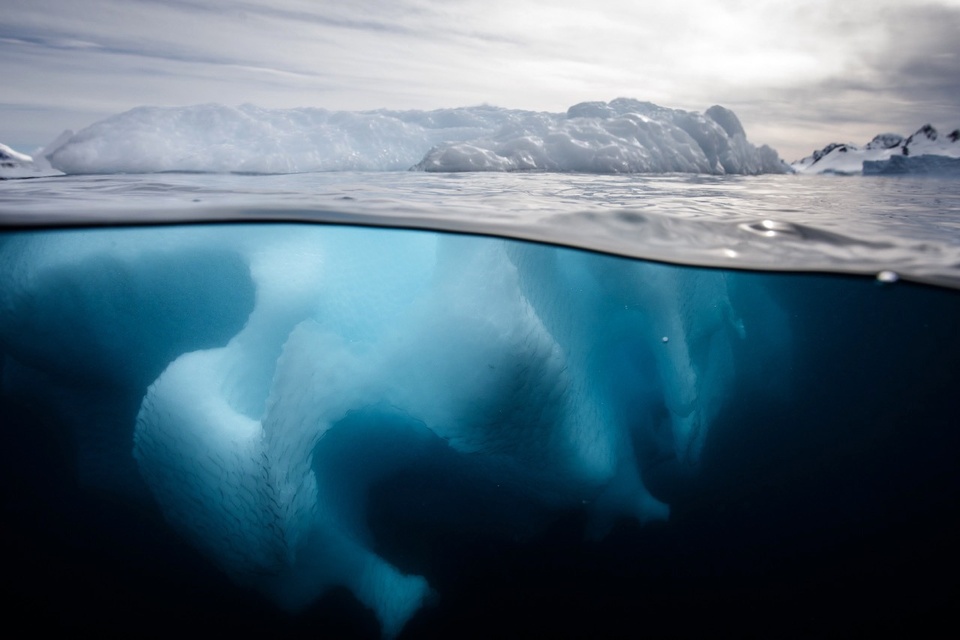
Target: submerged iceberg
[
  {"x": 622, "y": 136},
  {"x": 214, "y": 425},
  {"x": 259, "y": 380}
]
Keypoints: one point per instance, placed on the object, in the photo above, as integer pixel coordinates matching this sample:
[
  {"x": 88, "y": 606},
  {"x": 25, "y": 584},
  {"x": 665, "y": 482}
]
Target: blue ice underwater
[{"x": 271, "y": 389}]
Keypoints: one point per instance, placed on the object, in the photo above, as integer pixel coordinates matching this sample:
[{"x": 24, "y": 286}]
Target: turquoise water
[{"x": 242, "y": 426}]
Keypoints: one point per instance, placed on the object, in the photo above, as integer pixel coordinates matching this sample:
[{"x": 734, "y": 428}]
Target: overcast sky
[{"x": 799, "y": 74}]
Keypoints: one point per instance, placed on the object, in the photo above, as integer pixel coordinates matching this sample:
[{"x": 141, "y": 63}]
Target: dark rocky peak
[
  {"x": 926, "y": 131},
  {"x": 885, "y": 141},
  {"x": 842, "y": 148}
]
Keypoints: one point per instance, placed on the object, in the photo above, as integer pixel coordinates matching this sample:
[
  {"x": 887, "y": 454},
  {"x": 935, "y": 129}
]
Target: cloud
[
  {"x": 924, "y": 64},
  {"x": 780, "y": 65}
]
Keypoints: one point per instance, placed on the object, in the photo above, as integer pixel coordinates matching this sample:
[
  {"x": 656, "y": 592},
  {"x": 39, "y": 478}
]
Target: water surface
[{"x": 803, "y": 223}]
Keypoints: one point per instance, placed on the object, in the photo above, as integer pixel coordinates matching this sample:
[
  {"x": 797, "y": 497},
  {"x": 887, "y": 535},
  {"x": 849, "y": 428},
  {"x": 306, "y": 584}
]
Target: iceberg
[
  {"x": 256, "y": 381},
  {"x": 885, "y": 154},
  {"x": 928, "y": 165},
  {"x": 299, "y": 428},
  {"x": 622, "y": 136}
]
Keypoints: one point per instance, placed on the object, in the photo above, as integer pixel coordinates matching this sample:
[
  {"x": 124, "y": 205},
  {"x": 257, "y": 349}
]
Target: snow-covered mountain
[
  {"x": 887, "y": 153},
  {"x": 14, "y": 164}
]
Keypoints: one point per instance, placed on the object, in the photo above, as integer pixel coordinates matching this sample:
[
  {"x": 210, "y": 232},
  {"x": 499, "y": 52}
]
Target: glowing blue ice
[{"x": 246, "y": 347}]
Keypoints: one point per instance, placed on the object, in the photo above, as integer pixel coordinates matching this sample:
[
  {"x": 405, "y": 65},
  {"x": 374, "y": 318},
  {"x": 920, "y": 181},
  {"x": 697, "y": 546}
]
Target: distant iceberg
[
  {"x": 622, "y": 136},
  {"x": 931, "y": 165},
  {"x": 887, "y": 153}
]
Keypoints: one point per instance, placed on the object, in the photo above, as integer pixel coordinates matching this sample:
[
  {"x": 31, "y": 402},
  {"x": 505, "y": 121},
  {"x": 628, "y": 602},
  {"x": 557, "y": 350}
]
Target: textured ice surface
[
  {"x": 623, "y": 136},
  {"x": 233, "y": 363}
]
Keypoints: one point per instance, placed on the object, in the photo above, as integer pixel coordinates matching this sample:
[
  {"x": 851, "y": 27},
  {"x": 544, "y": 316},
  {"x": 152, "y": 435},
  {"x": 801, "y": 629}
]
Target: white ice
[{"x": 623, "y": 136}]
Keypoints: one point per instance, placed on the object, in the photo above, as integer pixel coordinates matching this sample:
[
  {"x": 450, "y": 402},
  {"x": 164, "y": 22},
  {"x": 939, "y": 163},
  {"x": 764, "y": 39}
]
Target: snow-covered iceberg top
[
  {"x": 621, "y": 136},
  {"x": 885, "y": 154}
]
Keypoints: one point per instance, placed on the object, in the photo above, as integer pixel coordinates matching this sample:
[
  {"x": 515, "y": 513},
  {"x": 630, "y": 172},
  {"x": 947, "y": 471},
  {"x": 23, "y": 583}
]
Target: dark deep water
[{"x": 826, "y": 503}]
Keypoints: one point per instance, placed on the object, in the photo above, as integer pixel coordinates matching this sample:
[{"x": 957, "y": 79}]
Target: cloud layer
[{"x": 799, "y": 75}]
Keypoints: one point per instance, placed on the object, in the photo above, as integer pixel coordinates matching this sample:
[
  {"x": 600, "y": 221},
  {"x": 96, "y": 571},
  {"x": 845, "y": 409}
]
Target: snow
[
  {"x": 10, "y": 158},
  {"x": 14, "y": 164},
  {"x": 622, "y": 136},
  {"x": 849, "y": 159}
]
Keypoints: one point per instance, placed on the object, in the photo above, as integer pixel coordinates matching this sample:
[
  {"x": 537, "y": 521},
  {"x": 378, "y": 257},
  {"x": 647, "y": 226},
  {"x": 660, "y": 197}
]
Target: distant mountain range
[{"x": 926, "y": 151}]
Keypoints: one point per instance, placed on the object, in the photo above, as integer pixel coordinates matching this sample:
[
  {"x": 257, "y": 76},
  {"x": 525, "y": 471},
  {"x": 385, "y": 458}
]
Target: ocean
[{"x": 420, "y": 405}]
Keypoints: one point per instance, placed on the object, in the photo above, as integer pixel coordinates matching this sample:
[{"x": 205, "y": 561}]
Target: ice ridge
[{"x": 622, "y": 136}]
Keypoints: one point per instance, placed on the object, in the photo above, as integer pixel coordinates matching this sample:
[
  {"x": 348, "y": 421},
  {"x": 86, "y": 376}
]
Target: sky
[{"x": 798, "y": 74}]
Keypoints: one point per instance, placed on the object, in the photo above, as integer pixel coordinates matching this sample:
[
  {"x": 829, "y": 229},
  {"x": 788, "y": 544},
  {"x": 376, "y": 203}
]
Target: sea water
[{"x": 537, "y": 403}]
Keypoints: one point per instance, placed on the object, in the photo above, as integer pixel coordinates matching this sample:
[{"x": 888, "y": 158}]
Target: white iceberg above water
[
  {"x": 622, "y": 136},
  {"x": 927, "y": 151}
]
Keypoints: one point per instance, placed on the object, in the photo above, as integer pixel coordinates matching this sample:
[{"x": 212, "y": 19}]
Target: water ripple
[{"x": 907, "y": 226}]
